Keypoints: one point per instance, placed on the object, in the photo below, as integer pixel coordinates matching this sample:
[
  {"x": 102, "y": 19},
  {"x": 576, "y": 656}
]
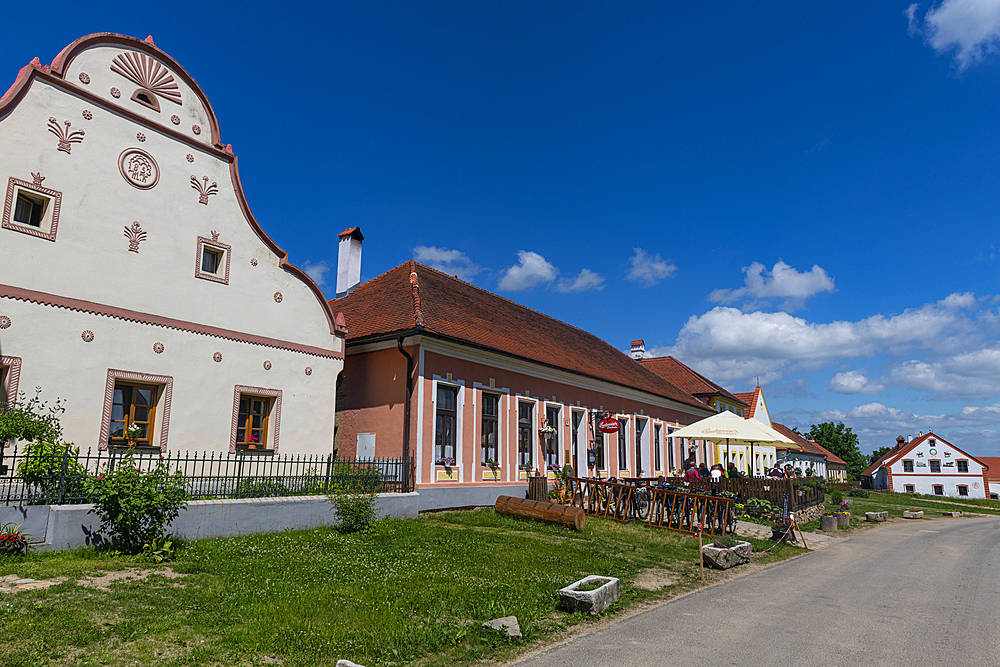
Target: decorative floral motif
[
  {"x": 253, "y": 261},
  {"x": 37, "y": 178},
  {"x": 66, "y": 137},
  {"x": 140, "y": 136},
  {"x": 267, "y": 365},
  {"x": 138, "y": 168},
  {"x": 217, "y": 356},
  {"x": 190, "y": 158},
  {"x": 175, "y": 119},
  {"x": 87, "y": 336},
  {"x": 115, "y": 93},
  {"x": 278, "y": 297},
  {"x": 84, "y": 78},
  {"x": 149, "y": 75},
  {"x": 135, "y": 236},
  {"x": 309, "y": 370},
  {"x": 87, "y": 115},
  {"x": 204, "y": 190},
  {"x": 4, "y": 322},
  {"x": 158, "y": 347},
  {"x": 196, "y": 129}
]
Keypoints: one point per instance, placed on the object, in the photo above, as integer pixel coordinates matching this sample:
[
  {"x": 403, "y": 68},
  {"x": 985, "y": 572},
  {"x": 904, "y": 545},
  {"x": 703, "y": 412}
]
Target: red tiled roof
[
  {"x": 750, "y": 398},
  {"x": 413, "y": 296},
  {"x": 638, "y": 342},
  {"x": 682, "y": 376},
  {"x": 994, "y": 463}
]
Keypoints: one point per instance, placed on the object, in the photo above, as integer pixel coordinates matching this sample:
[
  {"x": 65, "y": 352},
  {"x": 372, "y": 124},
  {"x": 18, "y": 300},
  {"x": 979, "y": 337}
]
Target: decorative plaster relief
[
  {"x": 87, "y": 115},
  {"x": 140, "y": 136},
  {"x": 165, "y": 381},
  {"x": 152, "y": 78},
  {"x": 278, "y": 297},
  {"x": 138, "y": 168},
  {"x": 196, "y": 129},
  {"x": 84, "y": 78},
  {"x": 267, "y": 365},
  {"x": 253, "y": 261},
  {"x": 190, "y": 158},
  {"x": 309, "y": 370},
  {"x": 175, "y": 119},
  {"x": 221, "y": 276},
  {"x": 35, "y": 186},
  {"x": 13, "y": 365},
  {"x": 87, "y": 336},
  {"x": 217, "y": 356},
  {"x": 135, "y": 236},
  {"x": 204, "y": 189},
  {"x": 4, "y": 322},
  {"x": 275, "y": 413},
  {"x": 115, "y": 93},
  {"x": 158, "y": 347},
  {"x": 65, "y": 135}
]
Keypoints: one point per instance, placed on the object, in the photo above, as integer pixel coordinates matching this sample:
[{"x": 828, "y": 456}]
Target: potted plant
[
  {"x": 13, "y": 540},
  {"x": 781, "y": 530},
  {"x": 132, "y": 433},
  {"x": 252, "y": 442},
  {"x": 547, "y": 431},
  {"x": 828, "y": 523},
  {"x": 446, "y": 461},
  {"x": 492, "y": 464}
]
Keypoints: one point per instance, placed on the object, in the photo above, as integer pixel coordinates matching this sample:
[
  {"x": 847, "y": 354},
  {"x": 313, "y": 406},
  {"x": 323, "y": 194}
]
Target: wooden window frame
[
  {"x": 963, "y": 486},
  {"x": 165, "y": 383},
  {"x": 273, "y": 420},
  {"x": 525, "y": 441},
  {"x": 962, "y": 463},
  {"x": 484, "y": 420},
  {"x": 553, "y": 442},
  {"x": 439, "y": 413},
  {"x": 909, "y": 488},
  {"x": 219, "y": 276},
  {"x": 10, "y": 374},
  {"x": 930, "y": 466},
  {"x": 935, "y": 487},
  {"x": 907, "y": 468},
  {"x": 657, "y": 443}
]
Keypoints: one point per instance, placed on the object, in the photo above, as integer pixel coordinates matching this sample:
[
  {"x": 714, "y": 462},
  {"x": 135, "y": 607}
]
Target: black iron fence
[{"x": 51, "y": 478}]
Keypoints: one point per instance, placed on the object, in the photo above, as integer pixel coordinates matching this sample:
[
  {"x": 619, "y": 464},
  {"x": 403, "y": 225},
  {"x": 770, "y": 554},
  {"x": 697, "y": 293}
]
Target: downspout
[{"x": 409, "y": 397}]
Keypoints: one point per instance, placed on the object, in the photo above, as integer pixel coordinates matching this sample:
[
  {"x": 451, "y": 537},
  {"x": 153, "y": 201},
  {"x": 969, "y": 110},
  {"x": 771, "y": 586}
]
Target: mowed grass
[{"x": 404, "y": 592}]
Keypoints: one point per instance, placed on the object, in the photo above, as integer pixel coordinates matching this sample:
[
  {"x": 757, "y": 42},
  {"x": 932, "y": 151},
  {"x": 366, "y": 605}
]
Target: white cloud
[
  {"x": 854, "y": 382},
  {"x": 970, "y": 28},
  {"x": 452, "y": 262},
  {"x": 781, "y": 282},
  {"x": 649, "y": 269},
  {"x": 973, "y": 374},
  {"x": 587, "y": 280},
  {"x": 316, "y": 271},
  {"x": 531, "y": 270}
]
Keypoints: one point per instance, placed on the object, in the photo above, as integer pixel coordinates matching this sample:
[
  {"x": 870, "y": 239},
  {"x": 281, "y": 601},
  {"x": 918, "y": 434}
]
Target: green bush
[
  {"x": 42, "y": 468},
  {"x": 859, "y": 493},
  {"x": 136, "y": 505},
  {"x": 32, "y": 420},
  {"x": 725, "y": 541},
  {"x": 264, "y": 487},
  {"x": 356, "y": 511},
  {"x": 836, "y": 497}
]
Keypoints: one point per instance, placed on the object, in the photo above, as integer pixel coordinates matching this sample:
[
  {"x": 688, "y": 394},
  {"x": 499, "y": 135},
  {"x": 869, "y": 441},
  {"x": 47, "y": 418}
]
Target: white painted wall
[{"x": 923, "y": 480}]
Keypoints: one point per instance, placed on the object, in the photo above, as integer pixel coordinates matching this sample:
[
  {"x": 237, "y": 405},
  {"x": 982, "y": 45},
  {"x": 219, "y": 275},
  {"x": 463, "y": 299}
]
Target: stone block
[
  {"x": 590, "y": 602},
  {"x": 876, "y": 517},
  {"x": 347, "y": 663},
  {"x": 507, "y": 626},
  {"x": 723, "y": 559},
  {"x": 951, "y": 514},
  {"x": 913, "y": 514}
]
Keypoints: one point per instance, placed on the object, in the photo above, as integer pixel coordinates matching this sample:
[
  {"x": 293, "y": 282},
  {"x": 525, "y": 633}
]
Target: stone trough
[
  {"x": 876, "y": 517},
  {"x": 590, "y": 602},
  {"x": 913, "y": 514},
  {"x": 724, "y": 558}
]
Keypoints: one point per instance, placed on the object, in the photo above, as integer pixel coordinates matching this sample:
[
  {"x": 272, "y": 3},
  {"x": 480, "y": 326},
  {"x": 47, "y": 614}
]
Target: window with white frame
[
  {"x": 640, "y": 428},
  {"x": 907, "y": 465},
  {"x": 445, "y": 424},
  {"x": 657, "y": 456},
  {"x": 577, "y": 419},
  {"x": 909, "y": 488},
  {"x": 963, "y": 490},
  {"x": 552, "y": 439},
  {"x": 622, "y": 443},
  {"x": 525, "y": 431},
  {"x": 670, "y": 449},
  {"x": 600, "y": 457},
  {"x": 935, "y": 465},
  {"x": 212, "y": 262},
  {"x": 963, "y": 466},
  {"x": 490, "y": 429},
  {"x": 938, "y": 489}
]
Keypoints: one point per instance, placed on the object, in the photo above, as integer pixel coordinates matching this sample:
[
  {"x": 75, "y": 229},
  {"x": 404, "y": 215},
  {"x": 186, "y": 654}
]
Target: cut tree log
[{"x": 564, "y": 515}]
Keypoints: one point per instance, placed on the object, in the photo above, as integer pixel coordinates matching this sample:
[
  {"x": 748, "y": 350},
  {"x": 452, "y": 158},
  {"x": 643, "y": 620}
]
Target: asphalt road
[{"x": 909, "y": 594}]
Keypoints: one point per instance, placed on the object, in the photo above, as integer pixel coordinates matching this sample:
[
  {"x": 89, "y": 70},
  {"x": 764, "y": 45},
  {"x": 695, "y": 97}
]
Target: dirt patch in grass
[
  {"x": 103, "y": 582},
  {"x": 655, "y": 578}
]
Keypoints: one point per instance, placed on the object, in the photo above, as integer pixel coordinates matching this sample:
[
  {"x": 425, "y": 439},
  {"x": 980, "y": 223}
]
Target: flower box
[
  {"x": 723, "y": 558},
  {"x": 591, "y": 602}
]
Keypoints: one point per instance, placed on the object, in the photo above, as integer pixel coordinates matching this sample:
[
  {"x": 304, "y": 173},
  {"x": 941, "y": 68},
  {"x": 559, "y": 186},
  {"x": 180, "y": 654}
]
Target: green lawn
[{"x": 405, "y": 591}]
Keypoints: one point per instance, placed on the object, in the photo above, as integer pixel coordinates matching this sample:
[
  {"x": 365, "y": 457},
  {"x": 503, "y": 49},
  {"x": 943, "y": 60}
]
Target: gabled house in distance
[
  {"x": 930, "y": 465},
  {"x": 480, "y": 391}
]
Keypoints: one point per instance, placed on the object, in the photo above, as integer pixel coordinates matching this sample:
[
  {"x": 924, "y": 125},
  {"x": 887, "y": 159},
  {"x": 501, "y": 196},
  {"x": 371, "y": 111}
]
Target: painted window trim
[
  {"x": 238, "y": 392},
  {"x": 13, "y": 365},
  {"x": 55, "y": 197},
  {"x": 215, "y": 245},
  {"x": 166, "y": 381},
  {"x": 499, "y": 419}
]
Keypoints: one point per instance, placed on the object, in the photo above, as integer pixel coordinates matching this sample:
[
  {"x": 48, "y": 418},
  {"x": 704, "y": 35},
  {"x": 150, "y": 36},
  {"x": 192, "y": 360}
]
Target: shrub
[
  {"x": 725, "y": 541},
  {"x": 160, "y": 550},
  {"x": 42, "y": 468},
  {"x": 858, "y": 493},
  {"x": 251, "y": 487},
  {"x": 32, "y": 420},
  {"x": 135, "y": 505},
  {"x": 356, "y": 511},
  {"x": 836, "y": 497}
]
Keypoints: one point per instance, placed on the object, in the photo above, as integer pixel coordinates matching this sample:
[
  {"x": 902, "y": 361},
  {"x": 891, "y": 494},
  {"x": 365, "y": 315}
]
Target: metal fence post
[{"x": 62, "y": 475}]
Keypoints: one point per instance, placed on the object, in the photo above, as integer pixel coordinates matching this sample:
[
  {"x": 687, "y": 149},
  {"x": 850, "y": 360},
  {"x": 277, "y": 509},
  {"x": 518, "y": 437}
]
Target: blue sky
[{"x": 804, "y": 192}]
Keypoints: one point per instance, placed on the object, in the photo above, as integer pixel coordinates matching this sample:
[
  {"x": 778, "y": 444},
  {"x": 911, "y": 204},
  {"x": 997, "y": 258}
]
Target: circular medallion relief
[
  {"x": 84, "y": 78},
  {"x": 217, "y": 356},
  {"x": 196, "y": 129},
  {"x": 87, "y": 336},
  {"x": 175, "y": 119},
  {"x": 140, "y": 136},
  {"x": 267, "y": 365},
  {"x": 190, "y": 158},
  {"x": 138, "y": 168},
  {"x": 87, "y": 115},
  {"x": 933, "y": 452},
  {"x": 309, "y": 370},
  {"x": 4, "y": 322},
  {"x": 158, "y": 347},
  {"x": 253, "y": 261},
  {"x": 115, "y": 93},
  {"x": 278, "y": 297}
]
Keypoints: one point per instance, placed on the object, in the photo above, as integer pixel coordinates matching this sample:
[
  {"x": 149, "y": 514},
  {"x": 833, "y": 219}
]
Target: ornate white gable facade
[{"x": 135, "y": 284}]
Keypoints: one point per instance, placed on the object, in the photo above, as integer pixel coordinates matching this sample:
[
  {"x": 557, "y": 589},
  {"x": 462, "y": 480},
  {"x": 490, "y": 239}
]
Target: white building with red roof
[{"x": 930, "y": 465}]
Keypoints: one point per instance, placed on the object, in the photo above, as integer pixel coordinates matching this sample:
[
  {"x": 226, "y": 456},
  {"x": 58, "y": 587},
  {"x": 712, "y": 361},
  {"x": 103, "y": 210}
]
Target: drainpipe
[{"x": 409, "y": 396}]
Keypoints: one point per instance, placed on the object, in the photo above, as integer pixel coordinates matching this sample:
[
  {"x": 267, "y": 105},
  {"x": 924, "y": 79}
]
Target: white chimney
[
  {"x": 349, "y": 261},
  {"x": 909, "y": 437},
  {"x": 638, "y": 349}
]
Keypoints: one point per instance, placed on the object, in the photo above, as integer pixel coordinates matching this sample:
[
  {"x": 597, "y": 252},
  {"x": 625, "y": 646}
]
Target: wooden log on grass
[{"x": 563, "y": 515}]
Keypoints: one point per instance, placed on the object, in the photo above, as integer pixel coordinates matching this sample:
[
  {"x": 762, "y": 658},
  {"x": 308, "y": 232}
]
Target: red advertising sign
[{"x": 608, "y": 425}]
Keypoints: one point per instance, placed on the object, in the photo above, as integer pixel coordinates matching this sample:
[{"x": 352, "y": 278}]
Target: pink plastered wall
[{"x": 374, "y": 401}]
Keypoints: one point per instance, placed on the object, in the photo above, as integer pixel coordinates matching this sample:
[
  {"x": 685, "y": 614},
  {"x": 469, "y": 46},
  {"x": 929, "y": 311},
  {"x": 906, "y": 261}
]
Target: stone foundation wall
[{"x": 809, "y": 513}]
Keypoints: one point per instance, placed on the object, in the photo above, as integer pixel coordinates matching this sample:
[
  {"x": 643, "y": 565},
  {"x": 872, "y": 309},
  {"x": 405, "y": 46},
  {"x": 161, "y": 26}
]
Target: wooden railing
[{"x": 772, "y": 490}]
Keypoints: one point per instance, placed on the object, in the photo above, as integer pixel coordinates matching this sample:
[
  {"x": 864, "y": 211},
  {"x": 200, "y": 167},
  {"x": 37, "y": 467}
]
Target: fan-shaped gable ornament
[{"x": 154, "y": 80}]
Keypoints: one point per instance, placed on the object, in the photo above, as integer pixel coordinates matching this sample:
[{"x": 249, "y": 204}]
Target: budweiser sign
[{"x": 608, "y": 426}]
